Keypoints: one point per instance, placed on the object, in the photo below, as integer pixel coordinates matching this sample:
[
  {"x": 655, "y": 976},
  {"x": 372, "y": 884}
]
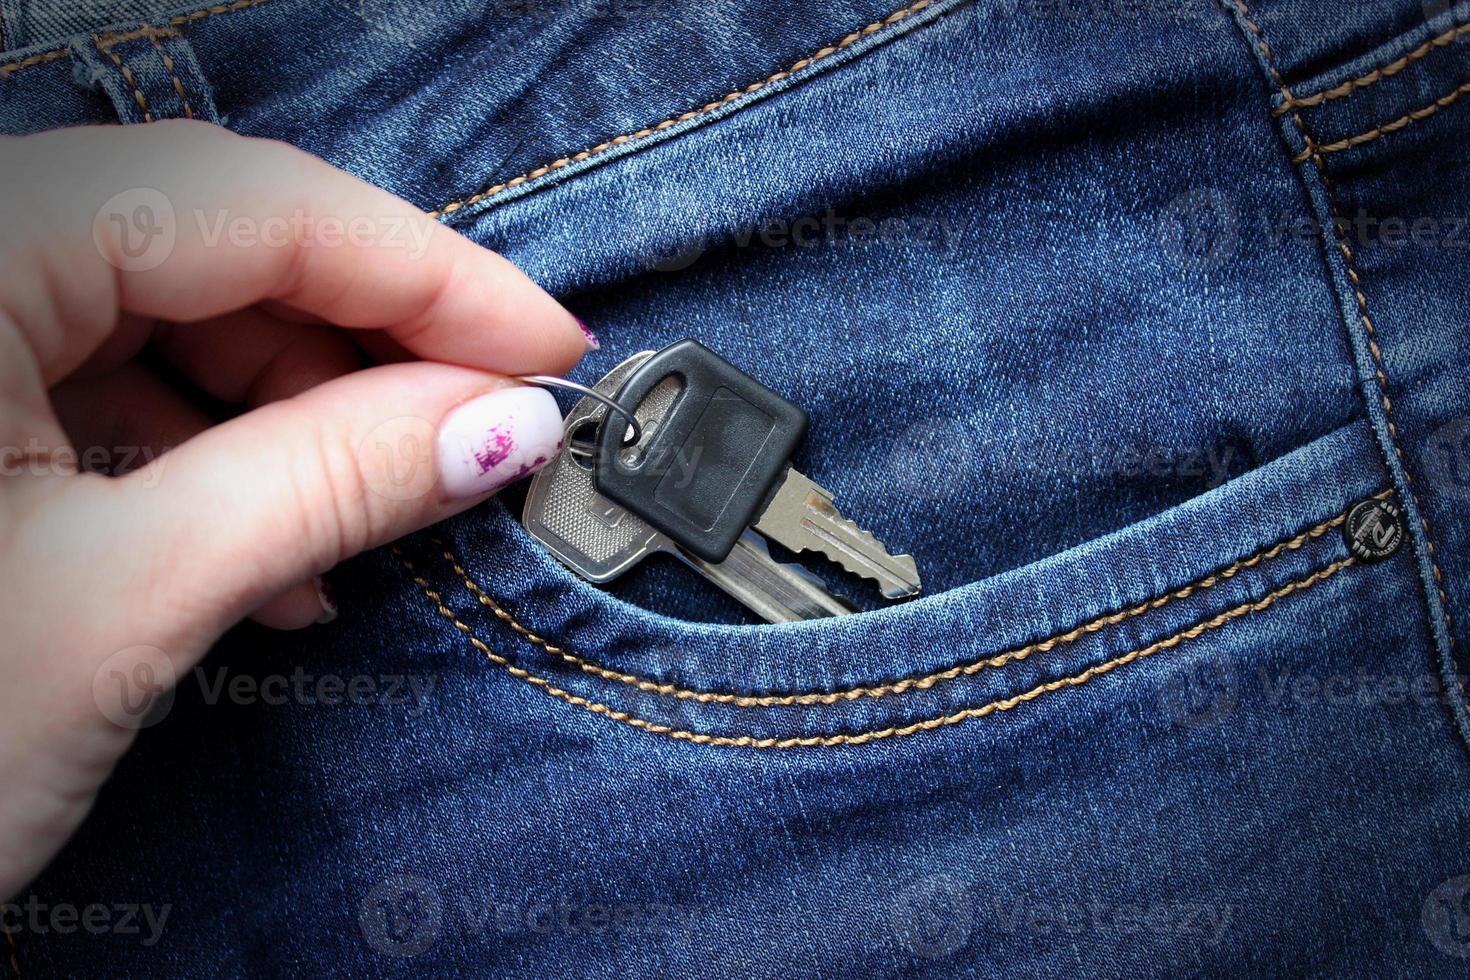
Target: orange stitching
[
  {"x": 128, "y": 77},
  {"x": 36, "y": 59},
  {"x": 896, "y": 731},
  {"x": 1377, "y": 74},
  {"x": 179, "y": 20},
  {"x": 1379, "y": 374},
  {"x": 168, "y": 64},
  {"x": 110, "y": 41},
  {"x": 1378, "y": 132},
  {"x": 897, "y": 687},
  {"x": 751, "y": 89}
]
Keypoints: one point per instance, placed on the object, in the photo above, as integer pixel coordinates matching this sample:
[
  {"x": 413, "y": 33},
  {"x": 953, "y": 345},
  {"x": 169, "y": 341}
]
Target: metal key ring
[{"x": 635, "y": 431}]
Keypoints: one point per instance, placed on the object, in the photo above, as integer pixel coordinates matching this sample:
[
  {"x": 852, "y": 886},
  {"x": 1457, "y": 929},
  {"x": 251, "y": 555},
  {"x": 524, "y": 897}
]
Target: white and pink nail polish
[
  {"x": 496, "y": 439},
  {"x": 592, "y": 342}
]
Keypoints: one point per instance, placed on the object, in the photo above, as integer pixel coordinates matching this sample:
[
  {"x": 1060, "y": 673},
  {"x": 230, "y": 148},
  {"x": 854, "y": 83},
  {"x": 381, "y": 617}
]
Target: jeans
[{"x": 1107, "y": 312}]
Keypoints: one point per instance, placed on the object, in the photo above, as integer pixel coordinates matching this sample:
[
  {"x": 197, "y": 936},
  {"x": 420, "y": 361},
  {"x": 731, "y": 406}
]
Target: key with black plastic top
[
  {"x": 719, "y": 463},
  {"x": 599, "y": 540}
]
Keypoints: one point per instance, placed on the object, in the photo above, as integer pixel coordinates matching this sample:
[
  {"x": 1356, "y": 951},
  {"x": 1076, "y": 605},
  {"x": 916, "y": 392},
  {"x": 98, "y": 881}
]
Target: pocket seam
[
  {"x": 128, "y": 76},
  {"x": 893, "y": 731},
  {"x": 898, "y": 687},
  {"x": 113, "y": 37},
  {"x": 1355, "y": 282},
  {"x": 799, "y": 66},
  {"x": 168, "y": 66},
  {"x": 1378, "y": 132},
  {"x": 1372, "y": 77}
]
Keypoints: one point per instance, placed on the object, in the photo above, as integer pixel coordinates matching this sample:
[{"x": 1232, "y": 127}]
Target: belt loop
[{"x": 148, "y": 72}]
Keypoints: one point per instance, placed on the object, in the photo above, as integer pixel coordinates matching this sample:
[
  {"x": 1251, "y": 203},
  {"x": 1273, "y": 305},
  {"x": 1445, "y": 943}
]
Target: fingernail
[
  {"x": 328, "y": 601},
  {"x": 592, "y": 342},
  {"x": 496, "y": 439}
]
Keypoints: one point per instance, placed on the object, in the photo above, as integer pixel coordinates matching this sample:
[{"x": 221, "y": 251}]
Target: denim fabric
[
  {"x": 1077, "y": 324},
  {"x": 36, "y": 22}
]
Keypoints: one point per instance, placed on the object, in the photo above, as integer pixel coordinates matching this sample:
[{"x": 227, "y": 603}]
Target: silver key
[
  {"x": 733, "y": 437},
  {"x": 600, "y": 540},
  {"x": 802, "y": 516}
]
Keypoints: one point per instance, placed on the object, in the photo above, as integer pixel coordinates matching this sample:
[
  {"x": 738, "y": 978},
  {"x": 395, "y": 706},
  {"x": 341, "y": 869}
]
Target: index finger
[{"x": 185, "y": 221}]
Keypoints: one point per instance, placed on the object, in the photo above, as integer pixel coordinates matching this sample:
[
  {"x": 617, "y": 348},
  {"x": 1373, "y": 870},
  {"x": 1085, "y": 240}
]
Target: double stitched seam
[
  {"x": 897, "y": 687},
  {"x": 129, "y": 77},
  {"x": 894, "y": 731},
  {"x": 153, "y": 34},
  {"x": 802, "y": 65},
  {"x": 168, "y": 65},
  {"x": 1350, "y": 264},
  {"x": 1374, "y": 76},
  {"x": 106, "y": 40},
  {"x": 1378, "y": 132}
]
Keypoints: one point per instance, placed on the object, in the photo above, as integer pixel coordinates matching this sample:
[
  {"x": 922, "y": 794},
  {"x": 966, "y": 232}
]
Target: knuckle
[{"x": 337, "y": 513}]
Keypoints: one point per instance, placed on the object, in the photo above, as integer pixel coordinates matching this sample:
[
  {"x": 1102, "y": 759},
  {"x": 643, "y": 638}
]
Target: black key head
[{"x": 709, "y": 464}]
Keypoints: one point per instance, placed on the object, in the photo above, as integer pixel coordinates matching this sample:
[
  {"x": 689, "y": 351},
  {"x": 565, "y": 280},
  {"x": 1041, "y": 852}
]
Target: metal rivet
[{"x": 1374, "y": 529}]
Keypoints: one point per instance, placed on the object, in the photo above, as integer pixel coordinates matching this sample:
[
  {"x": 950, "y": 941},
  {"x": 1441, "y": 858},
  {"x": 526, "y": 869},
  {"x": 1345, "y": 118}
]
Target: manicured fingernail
[
  {"x": 592, "y": 342},
  {"x": 497, "y": 439},
  {"x": 328, "y": 601}
]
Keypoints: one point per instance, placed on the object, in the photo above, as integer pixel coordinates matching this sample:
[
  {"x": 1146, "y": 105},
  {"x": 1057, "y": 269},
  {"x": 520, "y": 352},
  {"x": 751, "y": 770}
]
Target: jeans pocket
[{"x": 938, "y": 662}]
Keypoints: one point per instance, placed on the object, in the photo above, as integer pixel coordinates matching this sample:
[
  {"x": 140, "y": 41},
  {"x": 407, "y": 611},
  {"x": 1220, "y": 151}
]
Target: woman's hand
[{"x": 261, "y": 275}]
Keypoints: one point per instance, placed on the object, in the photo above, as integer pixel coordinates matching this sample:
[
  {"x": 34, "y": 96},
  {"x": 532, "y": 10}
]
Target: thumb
[{"x": 249, "y": 508}]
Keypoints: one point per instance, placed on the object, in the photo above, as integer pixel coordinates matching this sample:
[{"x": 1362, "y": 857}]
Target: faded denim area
[{"x": 1091, "y": 314}]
